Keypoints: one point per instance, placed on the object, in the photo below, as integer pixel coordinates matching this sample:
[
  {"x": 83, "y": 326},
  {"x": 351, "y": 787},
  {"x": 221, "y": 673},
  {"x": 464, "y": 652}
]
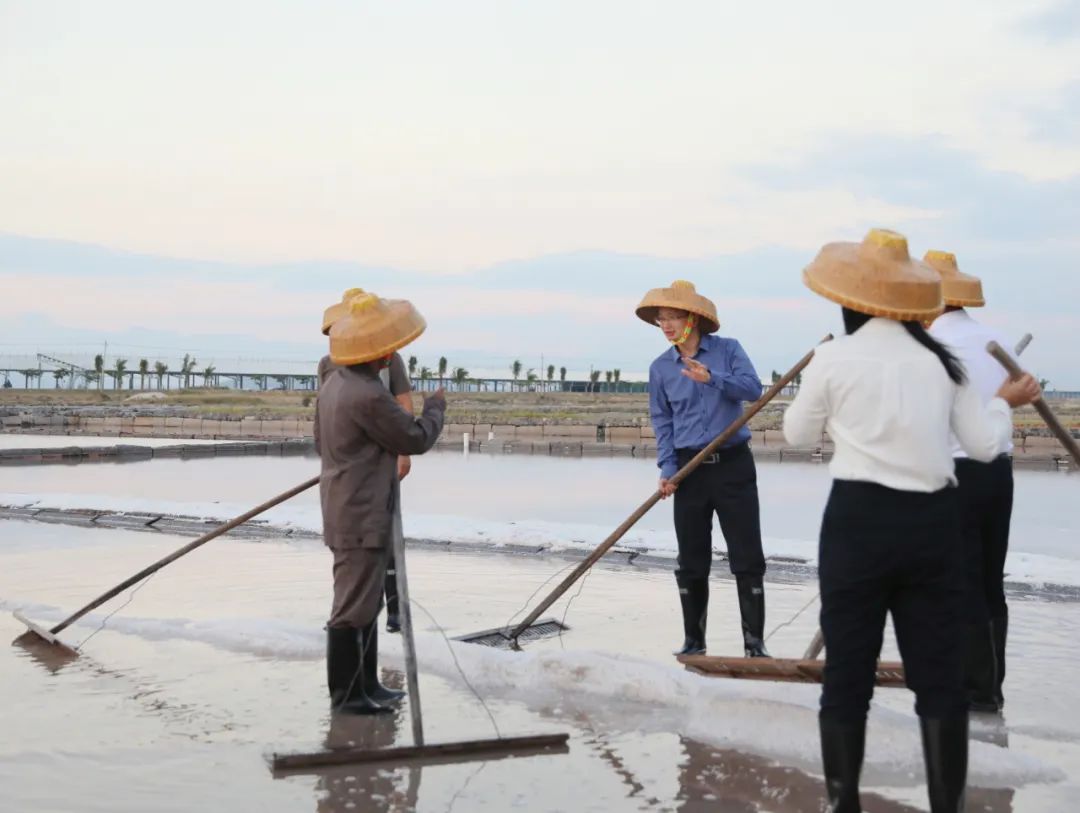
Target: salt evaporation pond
[
  {"x": 535, "y": 500},
  {"x": 218, "y": 659}
]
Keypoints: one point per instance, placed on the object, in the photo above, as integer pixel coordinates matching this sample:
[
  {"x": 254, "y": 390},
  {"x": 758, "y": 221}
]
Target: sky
[{"x": 207, "y": 177}]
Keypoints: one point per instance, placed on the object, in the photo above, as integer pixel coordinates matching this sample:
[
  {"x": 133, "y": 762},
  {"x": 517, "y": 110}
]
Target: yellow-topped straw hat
[
  {"x": 372, "y": 328},
  {"x": 958, "y": 289},
  {"x": 877, "y": 277},
  {"x": 338, "y": 309},
  {"x": 681, "y": 295}
]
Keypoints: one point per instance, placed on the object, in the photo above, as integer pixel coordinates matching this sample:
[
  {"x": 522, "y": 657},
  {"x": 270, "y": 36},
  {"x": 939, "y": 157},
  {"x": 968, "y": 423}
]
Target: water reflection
[
  {"x": 48, "y": 656},
  {"x": 715, "y": 779},
  {"x": 348, "y": 788},
  {"x": 990, "y": 800}
]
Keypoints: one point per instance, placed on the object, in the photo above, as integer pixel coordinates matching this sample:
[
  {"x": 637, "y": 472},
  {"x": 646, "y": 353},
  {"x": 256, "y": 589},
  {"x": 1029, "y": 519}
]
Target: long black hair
[{"x": 853, "y": 320}]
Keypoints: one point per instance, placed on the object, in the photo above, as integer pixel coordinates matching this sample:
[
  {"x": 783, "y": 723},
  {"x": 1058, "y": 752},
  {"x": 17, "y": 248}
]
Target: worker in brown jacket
[
  {"x": 360, "y": 431},
  {"x": 394, "y": 377}
]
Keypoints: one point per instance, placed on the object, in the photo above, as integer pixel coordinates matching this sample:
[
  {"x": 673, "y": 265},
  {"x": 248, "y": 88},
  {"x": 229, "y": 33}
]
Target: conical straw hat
[
  {"x": 373, "y": 328},
  {"x": 683, "y": 296},
  {"x": 957, "y": 288},
  {"x": 876, "y": 277},
  {"x": 338, "y": 309}
]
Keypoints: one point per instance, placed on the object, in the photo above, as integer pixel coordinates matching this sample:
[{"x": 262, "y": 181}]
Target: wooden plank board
[
  {"x": 442, "y": 753},
  {"x": 787, "y": 670},
  {"x": 42, "y": 633}
]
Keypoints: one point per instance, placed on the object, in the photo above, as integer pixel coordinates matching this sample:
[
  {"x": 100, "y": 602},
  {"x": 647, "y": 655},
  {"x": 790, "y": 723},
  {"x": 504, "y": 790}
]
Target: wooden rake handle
[
  {"x": 1062, "y": 434},
  {"x": 188, "y": 548},
  {"x": 644, "y": 508}
]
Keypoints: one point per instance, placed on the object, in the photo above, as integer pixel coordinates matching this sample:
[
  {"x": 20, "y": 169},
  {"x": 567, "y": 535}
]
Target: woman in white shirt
[{"x": 889, "y": 395}]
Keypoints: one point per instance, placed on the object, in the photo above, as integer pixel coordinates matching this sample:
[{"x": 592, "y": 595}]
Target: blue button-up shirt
[{"x": 689, "y": 415}]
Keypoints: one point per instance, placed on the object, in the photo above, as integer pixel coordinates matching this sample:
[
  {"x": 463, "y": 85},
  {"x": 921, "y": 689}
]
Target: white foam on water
[
  {"x": 1027, "y": 568},
  {"x": 776, "y": 721}
]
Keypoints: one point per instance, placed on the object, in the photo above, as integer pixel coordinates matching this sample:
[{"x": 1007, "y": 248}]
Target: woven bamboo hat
[
  {"x": 338, "y": 309},
  {"x": 876, "y": 277},
  {"x": 957, "y": 288},
  {"x": 683, "y": 296},
  {"x": 373, "y": 328}
]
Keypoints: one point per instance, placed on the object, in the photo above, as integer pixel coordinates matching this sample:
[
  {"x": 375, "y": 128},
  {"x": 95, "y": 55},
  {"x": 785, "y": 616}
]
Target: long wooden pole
[
  {"x": 188, "y": 548},
  {"x": 408, "y": 641},
  {"x": 644, "y": 508},
  {"x": 1062, "y": 434}
]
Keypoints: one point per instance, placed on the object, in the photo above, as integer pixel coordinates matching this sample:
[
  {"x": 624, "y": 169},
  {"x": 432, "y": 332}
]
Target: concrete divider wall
[
  {"x": 246, "y": 428},
  {"x": 576, "y": 432}
]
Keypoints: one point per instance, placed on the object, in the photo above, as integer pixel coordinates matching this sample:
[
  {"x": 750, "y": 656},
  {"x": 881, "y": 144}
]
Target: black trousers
[
  {"x": 727, "y": 488},
  {"x": 899, "y": 552},
  {"x": 986, "y": 499}
]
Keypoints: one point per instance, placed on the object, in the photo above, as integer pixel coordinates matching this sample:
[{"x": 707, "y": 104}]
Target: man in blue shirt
[{"x": 696, "y": 389}]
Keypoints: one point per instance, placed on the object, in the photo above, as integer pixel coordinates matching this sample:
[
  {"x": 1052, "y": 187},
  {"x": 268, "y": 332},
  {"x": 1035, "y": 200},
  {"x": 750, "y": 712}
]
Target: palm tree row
[
  {"x": 120, "y": 369},
  {"x": 459, "y": 376},
  {"x": 532, "y": 379}
]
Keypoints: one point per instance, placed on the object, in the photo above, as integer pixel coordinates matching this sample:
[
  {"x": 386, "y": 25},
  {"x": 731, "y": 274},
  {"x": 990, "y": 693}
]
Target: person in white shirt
[
  {"x": 889, "y": 395},
  {"x": 985, "y": 490}
]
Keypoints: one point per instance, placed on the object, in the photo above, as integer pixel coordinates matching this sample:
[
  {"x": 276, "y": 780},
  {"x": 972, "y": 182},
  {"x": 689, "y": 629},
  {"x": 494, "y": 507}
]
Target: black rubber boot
[
  {"x": 344, "y": 673},
  {"x": 980, "y": 669},
  {"x": 393, "y": 620},
  {"x": 842, "y": 746},
  {"x": 694, "y": 598},
  {"x": 945, "y": 751},
  {"x": 1001, "y": 635},
  {"x": 752, "y": 608},
  {"x": 369, "y": 647}
]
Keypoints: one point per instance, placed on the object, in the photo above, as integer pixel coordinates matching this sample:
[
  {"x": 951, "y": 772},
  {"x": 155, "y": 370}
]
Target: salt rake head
[
  {"x": 43, "y": 647},
  {"x": 501, "y": 638},
  {"x": 432, "y": 754},
  {"x": 41, "y": 643},
  {"x": 783, "y": 670}
]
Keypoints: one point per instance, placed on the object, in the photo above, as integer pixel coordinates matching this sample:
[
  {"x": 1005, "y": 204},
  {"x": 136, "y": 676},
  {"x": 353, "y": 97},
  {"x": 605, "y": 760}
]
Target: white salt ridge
[
  {"x": 1027, "y": 568},
  {"x": 776, "y": 721}
]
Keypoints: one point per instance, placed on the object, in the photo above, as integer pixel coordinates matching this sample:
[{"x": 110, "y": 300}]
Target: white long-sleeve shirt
[
  {"x": 967, "y": 339},
  {"x": 888, "y": 405}
]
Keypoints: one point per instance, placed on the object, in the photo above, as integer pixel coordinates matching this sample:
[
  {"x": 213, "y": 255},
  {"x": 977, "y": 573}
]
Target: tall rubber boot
[
  {"x": 344, "y": 673},
  {"x": 1001, "y": 635},
  {"x": 945, "y": 751},
  {"x": 694, "y": 598},
  {"x": 393, "y": 620},
  {"x": 980, "y": 668},
  {"x": 369, "y": 649},
  {"x": 842, "y": 746},
  {"x": 752, "y": 608}
]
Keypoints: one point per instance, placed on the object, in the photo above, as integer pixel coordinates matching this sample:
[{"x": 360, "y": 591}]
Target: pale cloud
[
  {"x": 526, "y": 171},
  {"x": 194, "y": 306},
  {"x": 444, "y": 138}
]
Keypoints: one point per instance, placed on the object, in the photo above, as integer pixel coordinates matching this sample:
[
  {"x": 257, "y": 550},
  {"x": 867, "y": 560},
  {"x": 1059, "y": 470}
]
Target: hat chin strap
[{"x": 691, "y": 323}]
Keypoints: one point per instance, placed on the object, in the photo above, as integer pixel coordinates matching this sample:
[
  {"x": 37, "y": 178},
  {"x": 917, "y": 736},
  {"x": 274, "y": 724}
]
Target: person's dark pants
[
  {"x": 390, "y": 588},
  {"x": 728, "y": 489},
  {"x": 986, "y": 498},
  {"x": 899, "y": 552}
]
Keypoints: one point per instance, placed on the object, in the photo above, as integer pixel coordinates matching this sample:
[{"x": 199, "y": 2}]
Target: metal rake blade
[{"x": 500, "y": 636}]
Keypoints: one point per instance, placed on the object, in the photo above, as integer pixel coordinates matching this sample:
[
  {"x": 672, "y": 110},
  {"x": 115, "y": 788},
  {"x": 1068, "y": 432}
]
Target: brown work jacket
[{"x": 359, "y": 432}]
